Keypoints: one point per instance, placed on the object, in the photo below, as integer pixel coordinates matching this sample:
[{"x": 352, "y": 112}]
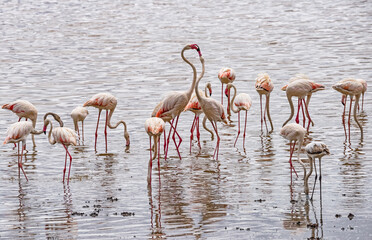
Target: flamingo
[
  {"x": 78, "y": 115},
  {"x": 195, "y": 107},
  {"x": 264, "y": 86},
  {"x": 23, "y": 109},
  {"x": 63, "y": 135},
  {"x": 154, "y": 127},
  {"x": 352, "y": 88},
  {"x": 226, "y": 76},
  {"x": 18, "y": 132},
  {"x": 170, "y": 108},
  {"x": 294, "y": 133},
  {"x": 243, "y": 102},
  {"x": 301, "y": 88},
  {"x": 212, "y": 109},
  {"x": 315, "y": 150},
  {"x": 106, "y": 101}
]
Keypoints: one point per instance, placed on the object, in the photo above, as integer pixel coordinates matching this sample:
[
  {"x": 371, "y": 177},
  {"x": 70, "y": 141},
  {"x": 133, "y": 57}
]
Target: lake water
[{"x": 57, "y": 54}]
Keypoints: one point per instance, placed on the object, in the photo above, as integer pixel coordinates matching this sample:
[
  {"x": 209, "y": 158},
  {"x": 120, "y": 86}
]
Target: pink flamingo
[
  {"x": 226, "y": 76},
  {"x": 212, "y": 109},
  {"x": 23, "y": 109},
  {"x": 18, "y": 132},
  {"x": 363, "y": 82},
  {"x": 301, "y": 88},
  {"x": 106, "y": 101},
  {"x": 352, "y": 88},
  {"x": 63, "y": 135},
  {"x": 243, "y": 102},
  {"x": 195, "y": 107},
  {"x": 264, "y": 86},
  {"x": 78, "y": 115},
  {"x": 154, "y": 127},
  {"x": 170, "y": 108},
  {"x": 293, "y": 132}
]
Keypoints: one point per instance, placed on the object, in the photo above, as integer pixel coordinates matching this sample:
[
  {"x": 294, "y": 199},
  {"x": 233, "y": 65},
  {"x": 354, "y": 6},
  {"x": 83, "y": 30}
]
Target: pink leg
[
  {"x": 261, "y": 111},
  {"x": 64, "y": 170},
  {"x": 308, "y": 115},
  {"x": 150, "y": 160},
  {"x": 19, "y": 171},
  {"x": 303, "y": 113},
  {"x": 95, "y": 142},
  {"x": 222, "y": 94},
  {"x": 351, "y": 103},
  {"x": 228, "y": 103},
  {"x": 165, "y": 139},
  {"x": 291, "y": 149},
  {"x": 238, "y": 129},
  {"x": 106, "y": 129},
  {"x": 69, "y": 169},
  {"x": 343, "y": 116},
  {"x": 192, "y": 131},
  {"x": 298, "y": 112},
  {"x": 179, "y": 137},
  {"x": 214, "y": 124},
  {"x": 245, "y": 127},
  {"x": 197, "y": 131},
  {"x": 20, "y": 162}
]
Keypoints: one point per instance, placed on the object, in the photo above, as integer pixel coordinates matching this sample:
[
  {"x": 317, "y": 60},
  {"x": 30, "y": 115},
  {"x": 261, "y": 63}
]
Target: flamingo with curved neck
[{"x": 264, "y": 86}]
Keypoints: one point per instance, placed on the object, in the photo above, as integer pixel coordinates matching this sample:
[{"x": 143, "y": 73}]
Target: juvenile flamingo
[
  {"x": 352, "y": 88},
  {"x": 108, "y": 102},
  {"x": 294, "y": 133},
  {"x": 213, "y": 110},
  {"x": 170, "y": 108},
  {"x": 243, "y": 102},
  {"x": 195, "y": 107},
  {"x": 78, "y": 115},
  {"x": 18, "y": 132},
  {"x": 23, "y": 109},
  {"x": 315, "y": 150},
  {"x": 154, "y": 127},
  {"x": 226, "y": 76},
  {"x": 264, "y": 86},
  {"x": 63, "y": 135},
  {"x": 301, "y": 88}
]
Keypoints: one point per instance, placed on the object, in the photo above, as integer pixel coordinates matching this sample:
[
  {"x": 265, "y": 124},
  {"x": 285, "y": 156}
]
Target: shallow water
[{"x": 57, "y": 54}]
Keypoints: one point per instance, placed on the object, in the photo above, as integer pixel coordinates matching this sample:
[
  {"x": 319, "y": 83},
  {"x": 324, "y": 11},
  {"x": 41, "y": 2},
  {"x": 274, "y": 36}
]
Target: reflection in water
[
  {"x": 157, "y": 230},
  {"x": 63, "y": 226},
  {"x": 267, "y": 152}
]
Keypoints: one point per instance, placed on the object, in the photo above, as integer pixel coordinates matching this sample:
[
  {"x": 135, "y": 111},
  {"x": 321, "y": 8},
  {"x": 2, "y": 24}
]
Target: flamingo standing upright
[
  {"x": 195, "y": 107},
  {"x": 243, "y": 102},
  {"x": 78, "y": 115},
  {"x": 212, "y": 109},
  {"x": 154, "y": 127},
  {"x": 226, "y": 76},
  {"x": 63, "y": 135},
  {"x": 315, "y": 150},
  {"x": 108, "y": 102},
  {"x": 170, "y": 108},
  {"x": 264, "y": 86},
  {"x": 18, "y": 132},
  {"x": 23, "y": 109},
  {"x": 301, "y": 88},
  {"x": 294, "y": 133},
  {"x": 352, "y": 88}
]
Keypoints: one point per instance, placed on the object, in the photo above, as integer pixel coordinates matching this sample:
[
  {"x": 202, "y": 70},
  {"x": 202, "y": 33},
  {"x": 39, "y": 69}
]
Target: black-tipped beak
[{"x": 45, "y": 132}]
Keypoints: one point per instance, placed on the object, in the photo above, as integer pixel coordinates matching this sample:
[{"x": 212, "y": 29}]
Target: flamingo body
[
  {"x": 264, "y": 86},
  {"x": 78, "y": 115},
  {"x": 226, "y": 76}
]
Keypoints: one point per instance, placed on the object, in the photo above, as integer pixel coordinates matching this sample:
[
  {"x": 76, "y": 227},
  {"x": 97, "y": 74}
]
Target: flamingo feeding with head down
[
  {"x": 18, "y": 132},
  {"x": 352, "y": 88},
  {"x": 226, "y": 76},
  {"x": 315, "y": 150},
  {"x": 212, "y": 109},
  {"x": 63, "y": 135},
  {"x": 108, "y": 102},
  {"x": 195, "y": 107},
  {"x": 243, "y": 102},
  {"x": 294, "y": 133},
  {"x": 78, "y": 115},
  {"x": 23, "y": 109},
  {"x": 154, "y": 127},
  {"x": 170, "y": 108},
  {"x": 301, "y": 88},
  {"x": 264, "y": 86}
]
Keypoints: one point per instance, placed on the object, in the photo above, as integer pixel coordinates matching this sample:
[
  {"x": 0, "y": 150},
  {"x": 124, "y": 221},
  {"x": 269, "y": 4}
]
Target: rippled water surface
[{"x": 57, "y": 54}]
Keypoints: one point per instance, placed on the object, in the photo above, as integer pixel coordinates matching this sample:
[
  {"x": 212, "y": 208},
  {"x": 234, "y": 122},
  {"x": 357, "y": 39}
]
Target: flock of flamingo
[{"x": 169, "y": 109}]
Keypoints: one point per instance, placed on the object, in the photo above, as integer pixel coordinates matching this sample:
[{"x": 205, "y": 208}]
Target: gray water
[{"x": 57, "y": 54}]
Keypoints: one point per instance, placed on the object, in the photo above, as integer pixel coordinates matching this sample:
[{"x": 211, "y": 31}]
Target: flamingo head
[
  {"x": 197, "y": 48},
  {"x": 227, "y": 90},
  {"x": 209, "y": 86},
  {"x": 126, "y": 136}
]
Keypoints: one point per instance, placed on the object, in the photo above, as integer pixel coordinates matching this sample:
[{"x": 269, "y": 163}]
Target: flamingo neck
[
  {"x": 50, "y": 138},
  {"x": 126, "y": 134},
  {"x": 235, "y": 110},
  {"x": 289, "y": 97},
  {"x": 355, "y": 111},
  {"x": 189, "y": 92},
  {"x": 201, "y": 99}
]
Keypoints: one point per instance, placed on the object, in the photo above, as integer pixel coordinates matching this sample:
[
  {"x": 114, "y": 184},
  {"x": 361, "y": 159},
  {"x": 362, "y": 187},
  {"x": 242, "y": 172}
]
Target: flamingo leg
[
  {"x": 290, "y": 157},
  {"x": 78, "y": 131},
  {"x": 216, "y": 150},
  {"x": 351, "y": 102},
  {"x": 19, "y": 171},
  {"x": 69, "y": 169},
  {"x": 298, "y": 111},
  {"x": 362, "y": 101},
  {"x": 344, "y": 99},
  {"x": 150, "y": 164},
  {"x": 245, "y": 127},
  {"x": 197, "y": 131},
  {"x": 174, "y": 137},
  {"x": 264, "y": 116},
  {"x": 192, "y": 131},
  {"x": 238, "y": 129},
  {"x": 316, "y": 177},
  {"x": 106, "y": 129},
  {"x": 261, "y": 111},
  {"x": 308, "y": 115},
  {"x": 159, "y": 156},
  {"x": 165, "y": 139},
  {"x": 169, "y": 134},
  {"x": 228, "y": 103},
  {"x": 20, "y": 161},
  {"x": 303, "y": 112},
  {"x": 82, "y": 130},
  {"x": 95, "y": 142},
  {"x": 222, "y": 94},
  {"x": 64, "y": 170}
]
